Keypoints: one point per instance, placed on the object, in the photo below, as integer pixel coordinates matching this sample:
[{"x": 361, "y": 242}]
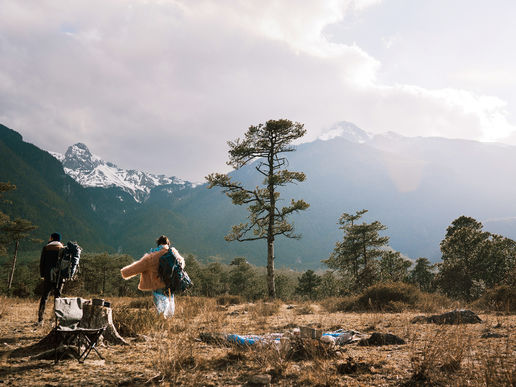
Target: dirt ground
[{"x": 169, "y": 351}]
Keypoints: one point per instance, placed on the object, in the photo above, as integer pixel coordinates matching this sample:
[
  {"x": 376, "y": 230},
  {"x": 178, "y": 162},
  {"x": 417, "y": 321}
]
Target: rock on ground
[
  {"x": 378, "y": 339},
  {"x": 461, "y": 316}
]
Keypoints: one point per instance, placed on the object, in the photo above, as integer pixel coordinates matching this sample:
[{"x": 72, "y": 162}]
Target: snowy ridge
[
  {"x": 348, "y": 131},
  {"x": 90, "y": 170}
]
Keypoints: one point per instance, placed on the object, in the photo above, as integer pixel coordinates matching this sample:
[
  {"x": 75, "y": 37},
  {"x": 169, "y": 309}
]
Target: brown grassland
[{"x": 169, "y": 352}]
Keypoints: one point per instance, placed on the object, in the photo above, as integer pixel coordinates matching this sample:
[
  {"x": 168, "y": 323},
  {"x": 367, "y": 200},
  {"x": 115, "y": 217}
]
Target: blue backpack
[{"x": 172, "y": 274}]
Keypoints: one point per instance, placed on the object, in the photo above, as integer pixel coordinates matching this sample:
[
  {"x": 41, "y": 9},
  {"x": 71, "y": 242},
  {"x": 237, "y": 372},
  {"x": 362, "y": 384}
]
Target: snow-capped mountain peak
[
  {"x": 348, "y": 131},
  {"x": 90, "y": 170},
  {"x": 78, "y": 156}
]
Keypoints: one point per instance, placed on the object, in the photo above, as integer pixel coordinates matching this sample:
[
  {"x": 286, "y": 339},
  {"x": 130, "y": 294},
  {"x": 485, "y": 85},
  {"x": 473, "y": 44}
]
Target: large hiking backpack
[
  {"x": 172, "y": 274},
  {"x": 68, "y": 262}
]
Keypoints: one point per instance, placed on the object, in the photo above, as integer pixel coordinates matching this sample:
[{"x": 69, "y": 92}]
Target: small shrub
[
  {"x": 228, "y": 299},
  {"x": 499, "y": 299},
  {"x": 130, "y": 322},
  {"x": 388, "y": 297},
  {"x": 339, "y": 304},
  {"x": 21, "y": 291},
  {"x": 433, "y": 302}
]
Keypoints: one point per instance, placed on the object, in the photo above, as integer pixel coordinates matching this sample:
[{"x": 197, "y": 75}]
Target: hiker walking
[
  {"x": 147, "y": 266},
  {"x": 48, "y": 260}
]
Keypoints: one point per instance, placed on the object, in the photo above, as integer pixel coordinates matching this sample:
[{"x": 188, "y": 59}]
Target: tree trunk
[
  {"x": 11, "y": 276},
  {"x": 270, "y": 268},
  {"x": 95, "y": 316},
  {"x": 270, "y": 229}
]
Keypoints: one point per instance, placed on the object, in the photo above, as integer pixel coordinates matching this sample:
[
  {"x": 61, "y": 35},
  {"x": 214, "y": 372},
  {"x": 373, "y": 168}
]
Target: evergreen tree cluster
[{"x": 473, "y": 261}]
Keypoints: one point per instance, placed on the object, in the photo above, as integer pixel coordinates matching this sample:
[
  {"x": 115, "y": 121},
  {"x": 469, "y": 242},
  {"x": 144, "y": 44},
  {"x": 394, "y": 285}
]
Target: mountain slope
[
  {"x": 415, "y": 186},
  {"x": 91, "y": 171},
  {"x": 45, "y": 195}
]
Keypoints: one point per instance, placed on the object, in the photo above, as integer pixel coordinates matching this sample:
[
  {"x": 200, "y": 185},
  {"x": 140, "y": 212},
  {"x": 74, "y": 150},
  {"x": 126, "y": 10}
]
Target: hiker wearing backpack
[
  {"x": 48, "y": 260},
  {"x": 147, "y": 266}
]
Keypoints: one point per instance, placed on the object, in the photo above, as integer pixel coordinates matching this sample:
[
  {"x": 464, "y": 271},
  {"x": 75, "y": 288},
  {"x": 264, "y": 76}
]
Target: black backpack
[
  {"x": 68, "y": 262},
  {"x": 172, "y": 274}
]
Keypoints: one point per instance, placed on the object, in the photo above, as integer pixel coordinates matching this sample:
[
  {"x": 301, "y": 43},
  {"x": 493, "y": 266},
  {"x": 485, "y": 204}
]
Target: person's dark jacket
[{"x": 49, "y": 256}]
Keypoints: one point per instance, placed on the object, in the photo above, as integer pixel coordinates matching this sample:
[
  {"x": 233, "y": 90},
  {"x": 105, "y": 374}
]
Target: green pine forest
[{"x": 474, "y": 264}]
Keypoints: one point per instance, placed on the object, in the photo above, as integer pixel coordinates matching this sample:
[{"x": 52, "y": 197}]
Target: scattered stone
[
  {"x": 462, "y": 316},
  {"x": 260, "y": 380},
  {"x": 328, "y": 340},
  {"x": 378, "y": 339},
  {"x": 352, "y": 367},
  {"x": 491, "y": 335},
  {"x": 291, "y": 307}
]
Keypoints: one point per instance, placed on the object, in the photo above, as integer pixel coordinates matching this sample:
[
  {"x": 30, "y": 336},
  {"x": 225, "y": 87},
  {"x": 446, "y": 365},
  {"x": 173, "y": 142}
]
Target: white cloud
[{"x": 162, "y": 85}]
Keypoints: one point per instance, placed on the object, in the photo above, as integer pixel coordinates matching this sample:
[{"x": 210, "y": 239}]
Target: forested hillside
[
  {"x": 414, "y": 186},
  {"x": 45, "y": 195}
]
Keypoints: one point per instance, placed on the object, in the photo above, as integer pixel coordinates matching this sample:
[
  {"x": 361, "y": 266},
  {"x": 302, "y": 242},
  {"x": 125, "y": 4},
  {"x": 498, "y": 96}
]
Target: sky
[{"x": 162, "y": 85}]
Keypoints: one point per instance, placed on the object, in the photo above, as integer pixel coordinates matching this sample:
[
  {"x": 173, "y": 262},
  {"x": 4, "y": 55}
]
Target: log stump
[
  {"x": 93, "y": 316},
  {"x": 96, "y": 316}
]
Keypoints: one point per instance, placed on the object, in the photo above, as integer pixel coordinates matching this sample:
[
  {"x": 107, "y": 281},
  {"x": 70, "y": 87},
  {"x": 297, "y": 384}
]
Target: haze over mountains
[{"x": 415, "y": 186}]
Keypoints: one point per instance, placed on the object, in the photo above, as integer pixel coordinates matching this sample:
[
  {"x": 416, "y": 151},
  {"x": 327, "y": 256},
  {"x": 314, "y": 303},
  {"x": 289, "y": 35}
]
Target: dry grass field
[{"x": 169, "y": 352}]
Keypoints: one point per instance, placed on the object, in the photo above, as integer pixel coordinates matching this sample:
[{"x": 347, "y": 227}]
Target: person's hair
[
  {"x": 55, "y": 236},
  {"x": 162, "y": 240}
]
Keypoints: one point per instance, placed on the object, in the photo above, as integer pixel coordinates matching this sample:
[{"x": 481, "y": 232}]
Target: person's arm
[{"x": 142, "y": 264}]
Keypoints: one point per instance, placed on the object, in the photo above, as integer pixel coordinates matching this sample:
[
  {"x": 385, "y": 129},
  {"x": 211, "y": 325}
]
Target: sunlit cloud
[{"x": 126, "y": 77}]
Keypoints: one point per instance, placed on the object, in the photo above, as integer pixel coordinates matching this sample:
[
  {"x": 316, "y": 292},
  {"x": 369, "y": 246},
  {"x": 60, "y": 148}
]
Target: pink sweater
[{"x": 147, "y": 266}]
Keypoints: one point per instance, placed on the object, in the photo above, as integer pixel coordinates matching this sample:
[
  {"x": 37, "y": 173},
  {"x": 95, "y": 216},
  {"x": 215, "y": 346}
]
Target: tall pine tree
[{"x": 265, "y": 145}]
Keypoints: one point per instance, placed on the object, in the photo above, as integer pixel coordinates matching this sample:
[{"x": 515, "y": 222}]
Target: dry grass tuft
[
  {"x": 188, "y": 308},
  {"x": 305, "y": 309},
  {"x": 499, "y": 299},
  {"x": 391, "y": 298},
  {"x": 498, "y": 368},
  {"x": 177, "y": 355},
  {"x": 4, "y": 305},
  {"x": 433, "y": 303},
  {"x": 228, "y": 299},
  {"x": 132, "y": 322},
  {"x": 442, "y": 355},
  {"x": 141, "y": 303},
  {"x": 260, "y": 311}
]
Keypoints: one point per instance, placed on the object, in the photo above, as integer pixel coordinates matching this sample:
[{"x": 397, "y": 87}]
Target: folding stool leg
[
  {"x": 90, "y": 343},
  {"x": 67, "y": 339}
]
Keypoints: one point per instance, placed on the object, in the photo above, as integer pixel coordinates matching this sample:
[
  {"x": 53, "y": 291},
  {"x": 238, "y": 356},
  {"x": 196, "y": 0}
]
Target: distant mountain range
[
  {"x": 416, "y": 186},
  {"x": 91, "y": 171}
]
